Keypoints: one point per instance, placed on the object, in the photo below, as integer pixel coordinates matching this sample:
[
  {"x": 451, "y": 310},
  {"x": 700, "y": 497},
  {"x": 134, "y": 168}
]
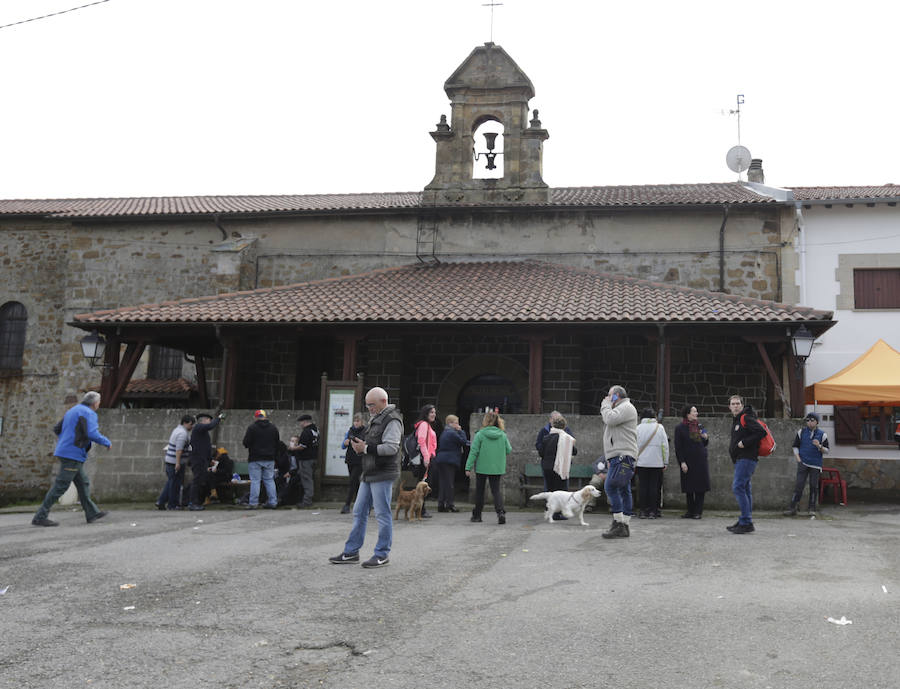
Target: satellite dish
[{"x": 738, "y": 159}]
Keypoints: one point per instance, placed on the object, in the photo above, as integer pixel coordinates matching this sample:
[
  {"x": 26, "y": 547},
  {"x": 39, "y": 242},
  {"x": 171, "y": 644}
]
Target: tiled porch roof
[{"x": 478, "y": 292}]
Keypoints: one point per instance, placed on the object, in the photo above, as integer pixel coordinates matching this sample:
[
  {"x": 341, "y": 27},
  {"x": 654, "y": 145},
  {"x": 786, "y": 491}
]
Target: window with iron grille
[
  {"x": 13, "y": 324},
  {"x": 876, "y": 288},
  {"x": 165, "y": 363}
]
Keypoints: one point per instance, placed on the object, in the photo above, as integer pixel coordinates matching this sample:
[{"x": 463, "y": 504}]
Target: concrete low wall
[
  {"x": 772, "y": 483},
  {"x": 133, "y": 469}
]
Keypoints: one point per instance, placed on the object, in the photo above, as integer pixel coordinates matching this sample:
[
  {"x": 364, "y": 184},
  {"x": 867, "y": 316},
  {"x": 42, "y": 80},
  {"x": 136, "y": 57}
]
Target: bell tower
[{"x": 488, "y": 87}]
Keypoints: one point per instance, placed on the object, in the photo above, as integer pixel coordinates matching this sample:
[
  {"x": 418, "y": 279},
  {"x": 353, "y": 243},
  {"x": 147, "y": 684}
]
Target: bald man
[{"x": 381, "y": 467}]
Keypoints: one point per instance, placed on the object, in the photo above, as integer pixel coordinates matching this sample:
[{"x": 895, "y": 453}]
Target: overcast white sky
[{"x": 183, "y": 97}]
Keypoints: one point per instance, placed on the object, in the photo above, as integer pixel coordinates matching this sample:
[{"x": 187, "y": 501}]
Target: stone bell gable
[{"x": 488, "y": 86}]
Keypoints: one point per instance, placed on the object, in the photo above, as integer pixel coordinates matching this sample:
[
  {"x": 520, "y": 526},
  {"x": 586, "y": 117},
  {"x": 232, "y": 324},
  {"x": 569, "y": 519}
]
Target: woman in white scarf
[{"x": 556, "y": 458}]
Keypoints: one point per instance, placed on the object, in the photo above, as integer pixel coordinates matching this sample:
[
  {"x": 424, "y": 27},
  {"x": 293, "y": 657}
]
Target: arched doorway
[
  {"x": 487, "y": 391},
  {"x": 479, "y": 382},
  {"x": 486, "y": 380}
]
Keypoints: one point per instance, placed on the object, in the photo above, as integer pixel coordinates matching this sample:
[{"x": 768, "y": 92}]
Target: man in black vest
[
  {"x": 381, "y": 467},
  {"x": 307, "y": 452}
]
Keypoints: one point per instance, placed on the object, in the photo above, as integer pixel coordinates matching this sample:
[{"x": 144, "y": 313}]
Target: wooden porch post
[
  {"x": 662, "y": 389},
  {"x": 535, "y": 372},
  {"x": 779, "y": 390},
  {"x": 110, "y": 371},
  {"x": 201, "y": 380},
  {"x": 796, "y": 384},
  {"x": 229, "y": 373},
  {"x": 130, "y": 359},
  {"x": 350, "y": 343}
]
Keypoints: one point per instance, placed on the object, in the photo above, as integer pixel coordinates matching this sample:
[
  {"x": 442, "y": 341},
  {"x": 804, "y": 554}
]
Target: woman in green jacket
[{"x": 487, "y": 459}]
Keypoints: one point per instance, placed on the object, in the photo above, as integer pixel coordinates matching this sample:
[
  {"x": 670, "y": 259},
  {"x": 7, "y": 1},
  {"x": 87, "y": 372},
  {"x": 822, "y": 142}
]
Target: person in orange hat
[{"x": 261, "y": 441}]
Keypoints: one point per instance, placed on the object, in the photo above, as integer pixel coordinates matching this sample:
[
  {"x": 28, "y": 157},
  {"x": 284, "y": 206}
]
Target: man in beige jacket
[{"x": 620, "y": 448}]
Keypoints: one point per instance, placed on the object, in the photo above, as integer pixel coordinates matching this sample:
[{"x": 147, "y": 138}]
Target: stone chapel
[{"x": 486, "y": 287}]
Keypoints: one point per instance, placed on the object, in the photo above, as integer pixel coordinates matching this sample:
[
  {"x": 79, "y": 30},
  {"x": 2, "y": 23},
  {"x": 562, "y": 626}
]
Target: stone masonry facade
[{"x": 59, "y": 268}]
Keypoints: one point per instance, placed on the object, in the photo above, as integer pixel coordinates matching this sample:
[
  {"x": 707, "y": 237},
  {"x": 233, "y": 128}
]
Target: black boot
[
  {"x": 476, "y": 516},
  {"x": 617, "y": 530},
  {"x": 501, "y": 517}
]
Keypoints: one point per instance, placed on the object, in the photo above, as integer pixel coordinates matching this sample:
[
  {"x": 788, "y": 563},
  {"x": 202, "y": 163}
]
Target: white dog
[{"x": 569, "y": 503}]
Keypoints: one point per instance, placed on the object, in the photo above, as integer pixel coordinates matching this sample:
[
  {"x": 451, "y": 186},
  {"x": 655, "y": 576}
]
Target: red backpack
[{"x": 767, "y": 444}]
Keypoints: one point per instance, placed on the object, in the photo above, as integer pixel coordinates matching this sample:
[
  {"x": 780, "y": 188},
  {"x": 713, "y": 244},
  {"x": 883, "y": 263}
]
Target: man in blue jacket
[
  {"x": 77, "y": 430},
  {"x": 810, "y": 445}
]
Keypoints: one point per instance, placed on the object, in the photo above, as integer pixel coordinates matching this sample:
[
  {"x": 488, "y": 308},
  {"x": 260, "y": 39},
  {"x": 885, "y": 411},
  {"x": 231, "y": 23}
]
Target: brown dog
[{"x": 412, "y": 500}]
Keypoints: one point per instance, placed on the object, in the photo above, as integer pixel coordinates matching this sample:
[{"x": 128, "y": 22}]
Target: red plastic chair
[{"x": 832, "y": 477}]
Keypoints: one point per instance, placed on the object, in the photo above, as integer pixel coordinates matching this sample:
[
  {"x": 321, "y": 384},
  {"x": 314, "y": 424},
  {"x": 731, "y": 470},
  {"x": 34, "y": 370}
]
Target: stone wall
[
  {"x": 773, "y": 481},
  {"x": 59, "y": 268}
]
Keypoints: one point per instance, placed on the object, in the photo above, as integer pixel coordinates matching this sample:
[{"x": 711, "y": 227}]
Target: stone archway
[{"x": 474, "y": 367}]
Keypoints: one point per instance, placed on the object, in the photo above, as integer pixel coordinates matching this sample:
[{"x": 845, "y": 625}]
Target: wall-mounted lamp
[
  {"x": 490, "y": 140},
  {"x": 802, "y": 343},
  {"x": 93, "y": 346}
]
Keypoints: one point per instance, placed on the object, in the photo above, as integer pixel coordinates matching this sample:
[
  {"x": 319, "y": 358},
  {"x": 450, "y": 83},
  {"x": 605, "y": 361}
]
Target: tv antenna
[
  {"x": 738, "y": 157},
  {"x": 737, "y": 111},
  {"x": 492, "y": 5}
]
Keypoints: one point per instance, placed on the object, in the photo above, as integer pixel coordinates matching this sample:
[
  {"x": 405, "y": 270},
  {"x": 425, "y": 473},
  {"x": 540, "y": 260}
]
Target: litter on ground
[
  {"x": 128, "y": 607},
  {"x": 6, "y": 588},
  {"x": 127, "y": 586},
  {"x": 841, "y": 621}
]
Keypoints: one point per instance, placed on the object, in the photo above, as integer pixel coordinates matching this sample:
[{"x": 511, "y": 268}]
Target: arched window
[{"x": 13, "y": 323}]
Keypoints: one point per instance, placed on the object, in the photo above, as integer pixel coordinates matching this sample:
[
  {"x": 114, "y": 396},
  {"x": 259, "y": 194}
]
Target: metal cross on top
[{"x": 492, "y": 5}]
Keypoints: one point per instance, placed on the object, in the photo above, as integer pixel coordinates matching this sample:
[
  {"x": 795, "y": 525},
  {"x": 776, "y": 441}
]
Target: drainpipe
[
  {"x": 722, "y": 249},
  {"x": 218, "y": 223},
  {"x": 801, "y": 249}
]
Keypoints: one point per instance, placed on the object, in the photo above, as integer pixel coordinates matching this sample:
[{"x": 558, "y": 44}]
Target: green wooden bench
[
  {"x": 531, "y": 480},
  {"x": 242, "y": 469}
]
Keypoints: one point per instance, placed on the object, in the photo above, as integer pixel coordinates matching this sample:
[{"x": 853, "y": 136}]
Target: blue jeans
[
  {"x": 743, "y": 491},
  {"x": 377, "y": 495},
  {"x": 171, "y": 492},
  {"x": 266, "y": 471},
  {"x": 70, "y": 471},
  {"x": 618, "y": 484}
]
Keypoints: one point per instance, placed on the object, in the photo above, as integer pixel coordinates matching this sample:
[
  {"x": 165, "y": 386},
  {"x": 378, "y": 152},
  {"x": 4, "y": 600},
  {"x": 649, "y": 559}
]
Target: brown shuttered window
[
  {"x": 846, "y": 425},
  {"x": 876, "y": 288}
]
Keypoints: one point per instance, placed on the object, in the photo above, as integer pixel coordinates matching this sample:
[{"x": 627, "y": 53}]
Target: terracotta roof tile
[
  {"x": 152, "y": 387},
  {"x": 620, "y": 196},
  {"x": 482, "y": 292},
  {"x": 886, "y": 191}
]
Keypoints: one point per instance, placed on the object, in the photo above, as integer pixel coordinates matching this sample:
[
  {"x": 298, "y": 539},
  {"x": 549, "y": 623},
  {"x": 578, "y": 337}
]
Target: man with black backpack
[{"x": 746, "y": 434}]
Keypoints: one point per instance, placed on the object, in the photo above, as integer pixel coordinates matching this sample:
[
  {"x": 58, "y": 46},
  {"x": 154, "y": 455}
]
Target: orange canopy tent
[{"x": 874, "y": 378}]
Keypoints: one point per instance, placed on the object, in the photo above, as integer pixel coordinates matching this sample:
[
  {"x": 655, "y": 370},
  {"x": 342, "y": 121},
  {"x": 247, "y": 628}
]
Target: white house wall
[{"x": 838, "y": 238}]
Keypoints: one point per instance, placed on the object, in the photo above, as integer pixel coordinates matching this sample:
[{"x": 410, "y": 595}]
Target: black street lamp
[
  {"x": 802, "y": 343},
  {"x": 93, "y": 346}
]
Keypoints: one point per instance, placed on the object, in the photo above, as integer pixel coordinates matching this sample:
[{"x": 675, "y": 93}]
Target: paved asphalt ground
[{"x": 248, "y": 599}]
